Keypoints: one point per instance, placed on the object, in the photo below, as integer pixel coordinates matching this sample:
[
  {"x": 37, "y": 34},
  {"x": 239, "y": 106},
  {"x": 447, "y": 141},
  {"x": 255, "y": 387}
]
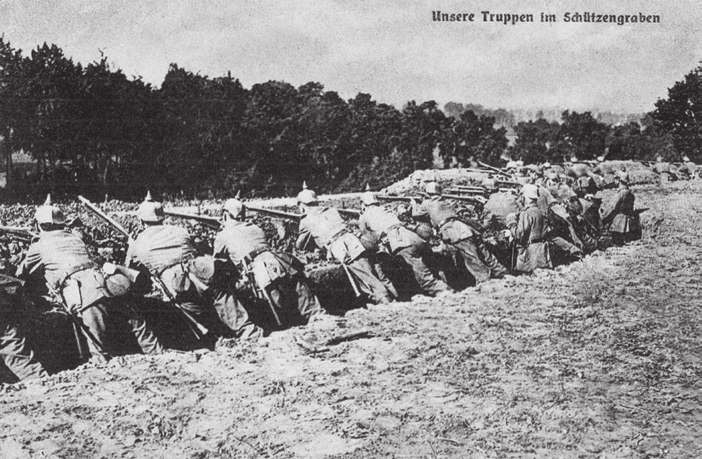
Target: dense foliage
[{"x": 94, "y": 130}]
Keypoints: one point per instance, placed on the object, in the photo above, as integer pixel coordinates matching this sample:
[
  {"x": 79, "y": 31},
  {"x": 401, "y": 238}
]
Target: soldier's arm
[
  {"x": 303, "y": 237},
  {"x": 522, "y": 230},
  {"x": 219, "y": 250},
  {"x": 31, "y": 264},
  {"x": 609, "y": 215}
]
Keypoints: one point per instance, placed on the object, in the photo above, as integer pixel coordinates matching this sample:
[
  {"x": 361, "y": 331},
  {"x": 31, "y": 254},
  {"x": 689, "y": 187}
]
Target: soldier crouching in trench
[
  {"x": 60, "y": 259},
  {"x": 277, "y": 279},
  {"x": 457, "y": 234},
  {"x": 401, "y": 242},
  {"x": 168, "y": 252},
  {"x": 621, "y": 218},
  {"x": 324, "y": 227}
]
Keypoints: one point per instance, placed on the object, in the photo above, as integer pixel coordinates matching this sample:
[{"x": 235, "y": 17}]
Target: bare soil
[{"x": 598, "y": 358}]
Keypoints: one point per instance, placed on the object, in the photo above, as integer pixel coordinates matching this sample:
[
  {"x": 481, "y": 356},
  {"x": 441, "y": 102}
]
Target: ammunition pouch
[
  {"x": 346, "y": 248},
  {"x": 454, "y": 230},
  {"x": 120, "y": 280}
]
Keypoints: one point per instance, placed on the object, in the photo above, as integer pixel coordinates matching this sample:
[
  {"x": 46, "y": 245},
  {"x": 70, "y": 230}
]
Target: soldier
[
  {"x": 622, "y": 219},
  {"x": 466, "y": 239},
  {"x": 324, "y": 227},
  {"x": 591, "y": 212},
  {"x": 583, "y": 234},
  {"x": 59, "y": 259},
  {"x": 529, "y": 232},
  {"x": 14, "y": 350},
  {"x": 663, "y": 169},
  {"x": 400, "y": 242},
  {"x": 168, "y": 252},
  {"x": 279, "y": 277},
  {"x": 584, "y": 184}
]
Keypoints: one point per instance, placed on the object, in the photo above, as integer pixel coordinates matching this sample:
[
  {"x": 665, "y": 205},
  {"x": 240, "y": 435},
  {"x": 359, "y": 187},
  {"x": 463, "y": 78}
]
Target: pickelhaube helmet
[
  {"x": 306, "y": 196},
  {"x": 234, "y": 206},
  {"x": 368, "y": 198},
  {"x": 49, "y": 213},
  {"x": 150, "y": 211},
  {"x": 432, "y": 188}
]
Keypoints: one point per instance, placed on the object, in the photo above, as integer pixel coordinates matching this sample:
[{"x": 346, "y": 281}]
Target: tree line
[{"x": 91, "y": 128}]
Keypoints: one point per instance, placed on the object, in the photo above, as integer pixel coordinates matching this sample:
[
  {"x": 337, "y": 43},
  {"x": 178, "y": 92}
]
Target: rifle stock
[{"x": 205, "y": 219}]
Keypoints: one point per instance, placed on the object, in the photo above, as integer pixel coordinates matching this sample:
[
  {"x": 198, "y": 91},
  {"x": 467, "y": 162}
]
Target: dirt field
[{"x": 599, "y": 358}]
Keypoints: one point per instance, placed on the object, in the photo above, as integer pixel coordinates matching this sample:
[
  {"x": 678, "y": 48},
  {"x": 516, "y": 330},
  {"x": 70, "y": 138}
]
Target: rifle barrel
[
  {"x": 18, "y": 231},
  {"x": 211, "y": 221},
  {"x": 274, "y": 213}
]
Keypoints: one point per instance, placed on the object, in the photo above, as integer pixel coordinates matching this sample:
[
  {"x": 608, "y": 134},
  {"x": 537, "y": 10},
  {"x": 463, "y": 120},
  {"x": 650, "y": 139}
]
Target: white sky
[{"x": 390, "y": 49}]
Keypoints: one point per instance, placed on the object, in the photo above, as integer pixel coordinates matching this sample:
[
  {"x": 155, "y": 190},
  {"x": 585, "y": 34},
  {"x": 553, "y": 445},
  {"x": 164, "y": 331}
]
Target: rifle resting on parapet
[
  {"x": 198, "y": 329},
  {"x": 19, "y": 232},
  {"x": 215, "y": 221}
]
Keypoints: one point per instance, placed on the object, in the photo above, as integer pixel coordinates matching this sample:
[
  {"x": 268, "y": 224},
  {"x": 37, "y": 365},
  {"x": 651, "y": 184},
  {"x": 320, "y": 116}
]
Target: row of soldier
[{"x": 245, "y": 287}]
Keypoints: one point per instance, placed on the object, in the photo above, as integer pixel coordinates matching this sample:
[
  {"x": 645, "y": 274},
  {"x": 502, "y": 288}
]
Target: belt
[
  {"x": 256, "y": 252},
  {"x": 390, "y": 228},
  {"x": 181, "y": 262},
  {"x": 337, "y": 236},
  {"x": 445, "y": 221},
  {"x": 76, "y": 270}
]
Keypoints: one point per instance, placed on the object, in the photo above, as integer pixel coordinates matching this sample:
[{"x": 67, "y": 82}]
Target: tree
[
  {"x": 680, "y": 116},
  {"x": 476, "y": 138},
  {"x": 581, "y": 135},
  {"x": 535, "y": 141}
]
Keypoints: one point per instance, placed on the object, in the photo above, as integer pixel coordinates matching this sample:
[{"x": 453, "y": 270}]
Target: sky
[{"x": 390, "y": 49}]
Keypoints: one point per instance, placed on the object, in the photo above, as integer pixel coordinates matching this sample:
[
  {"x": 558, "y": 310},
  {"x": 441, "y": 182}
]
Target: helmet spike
[
  {"x": 148, "y": 196},
  {"x": 238, "y": 194},
  {"x": 48, "y": 200},
  {"x": 367, "y": 187},
  {"x": 304, "y": 184}
]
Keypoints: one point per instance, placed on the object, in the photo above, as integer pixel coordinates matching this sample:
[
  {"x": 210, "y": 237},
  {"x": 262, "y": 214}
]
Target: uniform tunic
[
  {"x": 530, "y": 234},
  {"x": 403, "y": 243},
  {"x": 166, "y": 251},
  {"x": 161, "y": 246},
  {"x": 622, "y": 219},
  {"x": 328, "y": 230},
  {"x": 280, "y": 276},
  {"x": 321, "y": 224},
  {"x": 63, "y": 258},
  {"x": 476, "y": 258}
]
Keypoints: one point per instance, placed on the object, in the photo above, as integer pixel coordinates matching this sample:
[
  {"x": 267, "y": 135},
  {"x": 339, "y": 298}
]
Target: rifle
[
  {"x": 458, "y": 197},
  {"x": 353, "y": 213},
  {"x": 508, "y": 183},
  {"x": 494, "y": 169},
  {"x": 469, "y": 188},
  {"x": 391, "y": 198},
  {"x": 212, "y": 222},
  {"x": 19, "y": 232},
  {"x": 198, "y": 329}
]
